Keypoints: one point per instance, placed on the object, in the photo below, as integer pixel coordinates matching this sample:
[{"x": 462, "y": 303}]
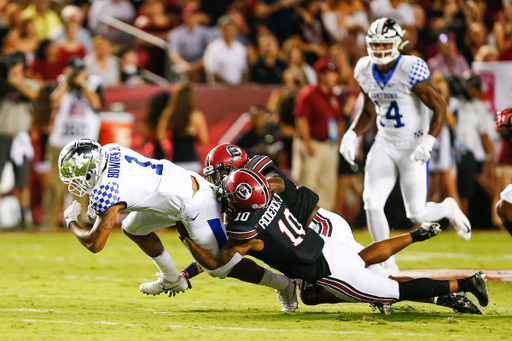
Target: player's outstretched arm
[{"x": 96, "y": 238}]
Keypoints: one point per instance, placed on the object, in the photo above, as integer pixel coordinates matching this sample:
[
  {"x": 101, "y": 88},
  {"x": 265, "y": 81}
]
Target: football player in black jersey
[{"x": 264, "y": 227}]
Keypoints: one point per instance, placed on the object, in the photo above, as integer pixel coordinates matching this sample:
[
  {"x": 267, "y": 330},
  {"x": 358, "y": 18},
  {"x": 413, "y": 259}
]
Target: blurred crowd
[{"x": 57, "y": 56}]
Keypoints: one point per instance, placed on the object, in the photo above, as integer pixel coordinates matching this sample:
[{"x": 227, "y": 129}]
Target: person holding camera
[
  {"x": 16, "y": 96},
  {"x": 76, "y": 102}
]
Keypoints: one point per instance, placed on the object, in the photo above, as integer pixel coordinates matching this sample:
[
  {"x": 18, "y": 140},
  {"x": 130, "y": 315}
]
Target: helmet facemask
[
  {"x": 81, "y": 164},
  {"x": 384, "y": 31}
]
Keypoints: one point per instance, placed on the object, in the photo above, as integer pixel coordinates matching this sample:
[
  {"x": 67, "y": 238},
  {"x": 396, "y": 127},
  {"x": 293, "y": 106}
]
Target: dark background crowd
[{"x": 280, "y": 43}]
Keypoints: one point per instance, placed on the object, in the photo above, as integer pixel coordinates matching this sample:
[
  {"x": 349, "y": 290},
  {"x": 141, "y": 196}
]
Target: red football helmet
[
  {"x": 221, "y": 160},
  {"x": 503, "y": 118},
  {"x": 248, "y": 190}
]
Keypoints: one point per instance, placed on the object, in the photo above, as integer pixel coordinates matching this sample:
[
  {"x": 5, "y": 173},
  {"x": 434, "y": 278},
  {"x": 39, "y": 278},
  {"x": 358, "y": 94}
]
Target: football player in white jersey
[
  {"x": 397, "y": 92},
  {"x": 158, "y": 194}
]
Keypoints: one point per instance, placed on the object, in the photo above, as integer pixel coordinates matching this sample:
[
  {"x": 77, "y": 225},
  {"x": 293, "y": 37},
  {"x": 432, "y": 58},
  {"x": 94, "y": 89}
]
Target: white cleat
[
  {"x": 459, "y": 219},
  {"x": 162, "y": 285},
  {"x": 288, "y": 297}
]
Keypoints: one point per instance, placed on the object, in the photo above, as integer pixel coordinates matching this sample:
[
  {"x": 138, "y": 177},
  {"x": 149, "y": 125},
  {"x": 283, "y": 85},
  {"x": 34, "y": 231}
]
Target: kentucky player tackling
[{"x": 398, "y": 93}]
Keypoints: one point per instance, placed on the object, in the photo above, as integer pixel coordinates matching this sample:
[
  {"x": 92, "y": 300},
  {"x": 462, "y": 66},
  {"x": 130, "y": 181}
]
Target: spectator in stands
[
  {"x": 474, "y": 142},
  {"x": 339, "y": 56},
  {"x": 475, "y": 39},
  {"x": 156, "y": 22},
  {"x": 225, "y": 59},
  {"x": 28, "y": 40},
  {"x": 269, "y": 68},
  {"x": 74, "y": 14},
  {"x": 70, "y": 47},
  {"x": 261, "y": 137},
  {"x": 130, "y": 72},
  {"x": 188, "y": 42},
  {"x": 10, "y": 41},
  {"x": 487, "y": 53},
  {"x": 121, "y": 10},
  {"x": 44, "y": 18},
  {"x": 448, "y": 61},
  {"x": 46, "y": 65},
  {"x": 156, "y": 105},
  {"x": 295, "y": 59},
  {"x": 186, "y": 125},
  {"x": 102, "y": 63},
  {"x": 308, "y": 32},
  {"x": 346, "y": 22},
  {"x": 399, "y": 10},
  {"x": 317, "y": 113},
  {"x": 16, "y": 96},
  {"x": 503, "y": 34},
  {"x": 277, "y": 15},
  {"x": 75, "y": 102}
]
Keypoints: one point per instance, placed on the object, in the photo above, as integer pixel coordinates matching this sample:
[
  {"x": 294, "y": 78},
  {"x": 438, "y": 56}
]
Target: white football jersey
[
  {"x": 403, "y": 119},
  {"x": 141, "y": 183}
]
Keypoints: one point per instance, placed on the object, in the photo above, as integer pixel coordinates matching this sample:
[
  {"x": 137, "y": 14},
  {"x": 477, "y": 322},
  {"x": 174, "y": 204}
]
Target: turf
[{"x": 51, "y": 288}]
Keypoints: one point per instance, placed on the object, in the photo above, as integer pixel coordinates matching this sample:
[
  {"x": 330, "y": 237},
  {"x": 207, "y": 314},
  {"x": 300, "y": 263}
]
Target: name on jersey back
[
  {"x": 114, "y": 162},
  {"x": 270, "y": 212}
]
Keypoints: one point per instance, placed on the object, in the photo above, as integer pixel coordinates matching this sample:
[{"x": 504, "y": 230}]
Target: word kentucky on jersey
[
  {"x": 114, "y": 163},
  {"x": 383, "y": 95},
  {"x": 270, "y": 212}
]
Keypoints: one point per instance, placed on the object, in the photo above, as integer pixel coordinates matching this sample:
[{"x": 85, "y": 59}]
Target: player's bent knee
[{"x": 417, "y": 219}]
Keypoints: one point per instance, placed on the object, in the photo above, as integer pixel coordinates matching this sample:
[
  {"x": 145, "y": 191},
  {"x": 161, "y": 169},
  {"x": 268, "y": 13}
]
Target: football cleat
[
  {"x": 428, "y": 230},
  {"x": 384, "y": 308},
  {"x": 288, "y": 297},
  {"x": 162, "y": 285},
  {"x": 459, "y": 219},
  {"x": 460, "y": 303},
  {"x": 479, "y": 288}
]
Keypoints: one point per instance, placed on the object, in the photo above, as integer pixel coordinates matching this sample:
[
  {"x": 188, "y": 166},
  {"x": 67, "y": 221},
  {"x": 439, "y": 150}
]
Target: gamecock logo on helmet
[
  {"x": 243, "y": 191},
  {"x": 234, "y": 151}
]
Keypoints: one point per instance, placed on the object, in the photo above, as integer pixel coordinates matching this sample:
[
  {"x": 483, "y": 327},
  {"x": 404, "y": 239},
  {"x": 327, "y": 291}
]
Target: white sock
[
  {"x": 166, "y": 266},
  {"x": 437, "y": 211},
  {"x": 274, "y": 280},
  {"x": 377, "y": 224}
]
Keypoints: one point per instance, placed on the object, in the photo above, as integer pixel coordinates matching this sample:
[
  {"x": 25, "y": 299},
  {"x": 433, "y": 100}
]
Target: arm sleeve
[
  {"x": 419, "y": 72},
  {"x": 104, "y": 197},
  {"x": 241, "y": 232}
]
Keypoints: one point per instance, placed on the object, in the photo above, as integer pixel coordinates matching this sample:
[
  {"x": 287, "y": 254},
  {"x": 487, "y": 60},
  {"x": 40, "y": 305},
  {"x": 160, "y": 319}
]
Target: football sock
[
  {"x": 274, "y": 280},
  {"x": 422, "y": 288},
  {"x": 437, "y": 211},
  {"x": 166, "y": 266},
  {"x": 191, "y": 271},
  {"x": 508, "y": 226},
  {"x": 465, "y": 284}
]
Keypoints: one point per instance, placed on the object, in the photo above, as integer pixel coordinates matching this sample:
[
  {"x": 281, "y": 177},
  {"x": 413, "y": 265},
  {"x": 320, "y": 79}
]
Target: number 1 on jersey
[
  {"x": 296, "y": 231},
  {"x": 157, "y": 168},
  {"x": 391, "y": 114}
]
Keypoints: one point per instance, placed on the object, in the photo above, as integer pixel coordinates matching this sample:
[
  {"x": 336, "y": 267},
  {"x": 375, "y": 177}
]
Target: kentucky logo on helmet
[
  {"x": 234, "y": 151},
  {"x": 243, "y": 191}
]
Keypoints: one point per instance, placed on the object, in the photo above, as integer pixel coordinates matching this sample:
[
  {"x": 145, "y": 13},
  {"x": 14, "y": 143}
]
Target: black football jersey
[
  {"x": 301, "y": 201},
  {"x": 289, "y": 247}
]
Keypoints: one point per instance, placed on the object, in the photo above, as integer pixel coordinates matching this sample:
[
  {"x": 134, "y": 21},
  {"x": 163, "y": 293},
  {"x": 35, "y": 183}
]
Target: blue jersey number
[
  {"x": 391, "y": 114},
  {"x": 158, "y": 168}
]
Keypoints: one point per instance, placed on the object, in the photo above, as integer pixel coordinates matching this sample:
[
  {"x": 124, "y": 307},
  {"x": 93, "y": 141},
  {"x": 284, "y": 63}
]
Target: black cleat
[
  {"x": 428, "y": 230},
  {"x": 479, "y": 288},
  {"x": 460, "y": 303}
]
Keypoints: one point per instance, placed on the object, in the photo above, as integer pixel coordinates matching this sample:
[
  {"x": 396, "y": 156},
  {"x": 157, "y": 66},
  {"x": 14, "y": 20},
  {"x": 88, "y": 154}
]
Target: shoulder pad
[
  {"x": 416, "y": 68},
  {"x": 258, "y": 163}
]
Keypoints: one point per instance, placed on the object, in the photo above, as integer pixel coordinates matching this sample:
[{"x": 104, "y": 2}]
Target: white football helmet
[
  {"x": 81, "y": 163},
  {"x": 384, "y": 31}
]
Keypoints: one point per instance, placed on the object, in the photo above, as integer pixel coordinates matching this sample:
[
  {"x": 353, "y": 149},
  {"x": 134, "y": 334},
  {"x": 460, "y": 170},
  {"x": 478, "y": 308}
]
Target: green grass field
[{"x": 51, "y": 288}]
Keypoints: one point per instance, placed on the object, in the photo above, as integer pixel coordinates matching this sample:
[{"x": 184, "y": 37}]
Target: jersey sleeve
[
  {"x": 418, "y": 72},
  {"x": 104, "y": 197},
  {"x": 238, "y": 231},
  {"x": 260, "y": 163}
]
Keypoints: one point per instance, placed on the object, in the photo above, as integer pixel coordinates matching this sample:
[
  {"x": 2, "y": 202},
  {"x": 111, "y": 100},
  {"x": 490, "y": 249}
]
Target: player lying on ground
[
  {"x": 302, "y": 202},
  {"x": 157, "y": 193},
  {"x": 398, "y": 93},
  {"x": 504, "y": 205},
  {"x": 264, "y": 227}
]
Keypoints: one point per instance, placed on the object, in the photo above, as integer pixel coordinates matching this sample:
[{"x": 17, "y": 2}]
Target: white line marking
[
  {"x": 32, "y": 310},
  {"x": 235, "y": 328}
]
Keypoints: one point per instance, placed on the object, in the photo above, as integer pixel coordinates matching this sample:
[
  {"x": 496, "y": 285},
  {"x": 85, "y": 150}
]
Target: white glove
[
  {"x": 71, "y": 213},
  {"x": 348, "y": 146},
  {"x": 91, "y": 214},
  {"x": 423, "y": 152}
]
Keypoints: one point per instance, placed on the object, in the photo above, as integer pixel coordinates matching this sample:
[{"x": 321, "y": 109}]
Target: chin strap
[{"x": 401, "y": 47}]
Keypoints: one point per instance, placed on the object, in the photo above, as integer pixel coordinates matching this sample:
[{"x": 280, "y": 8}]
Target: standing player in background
[
  {"x": 401, "y": 93},
  {"x": 504, "y": 205},
  {"x": 157, "y": 193}
]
